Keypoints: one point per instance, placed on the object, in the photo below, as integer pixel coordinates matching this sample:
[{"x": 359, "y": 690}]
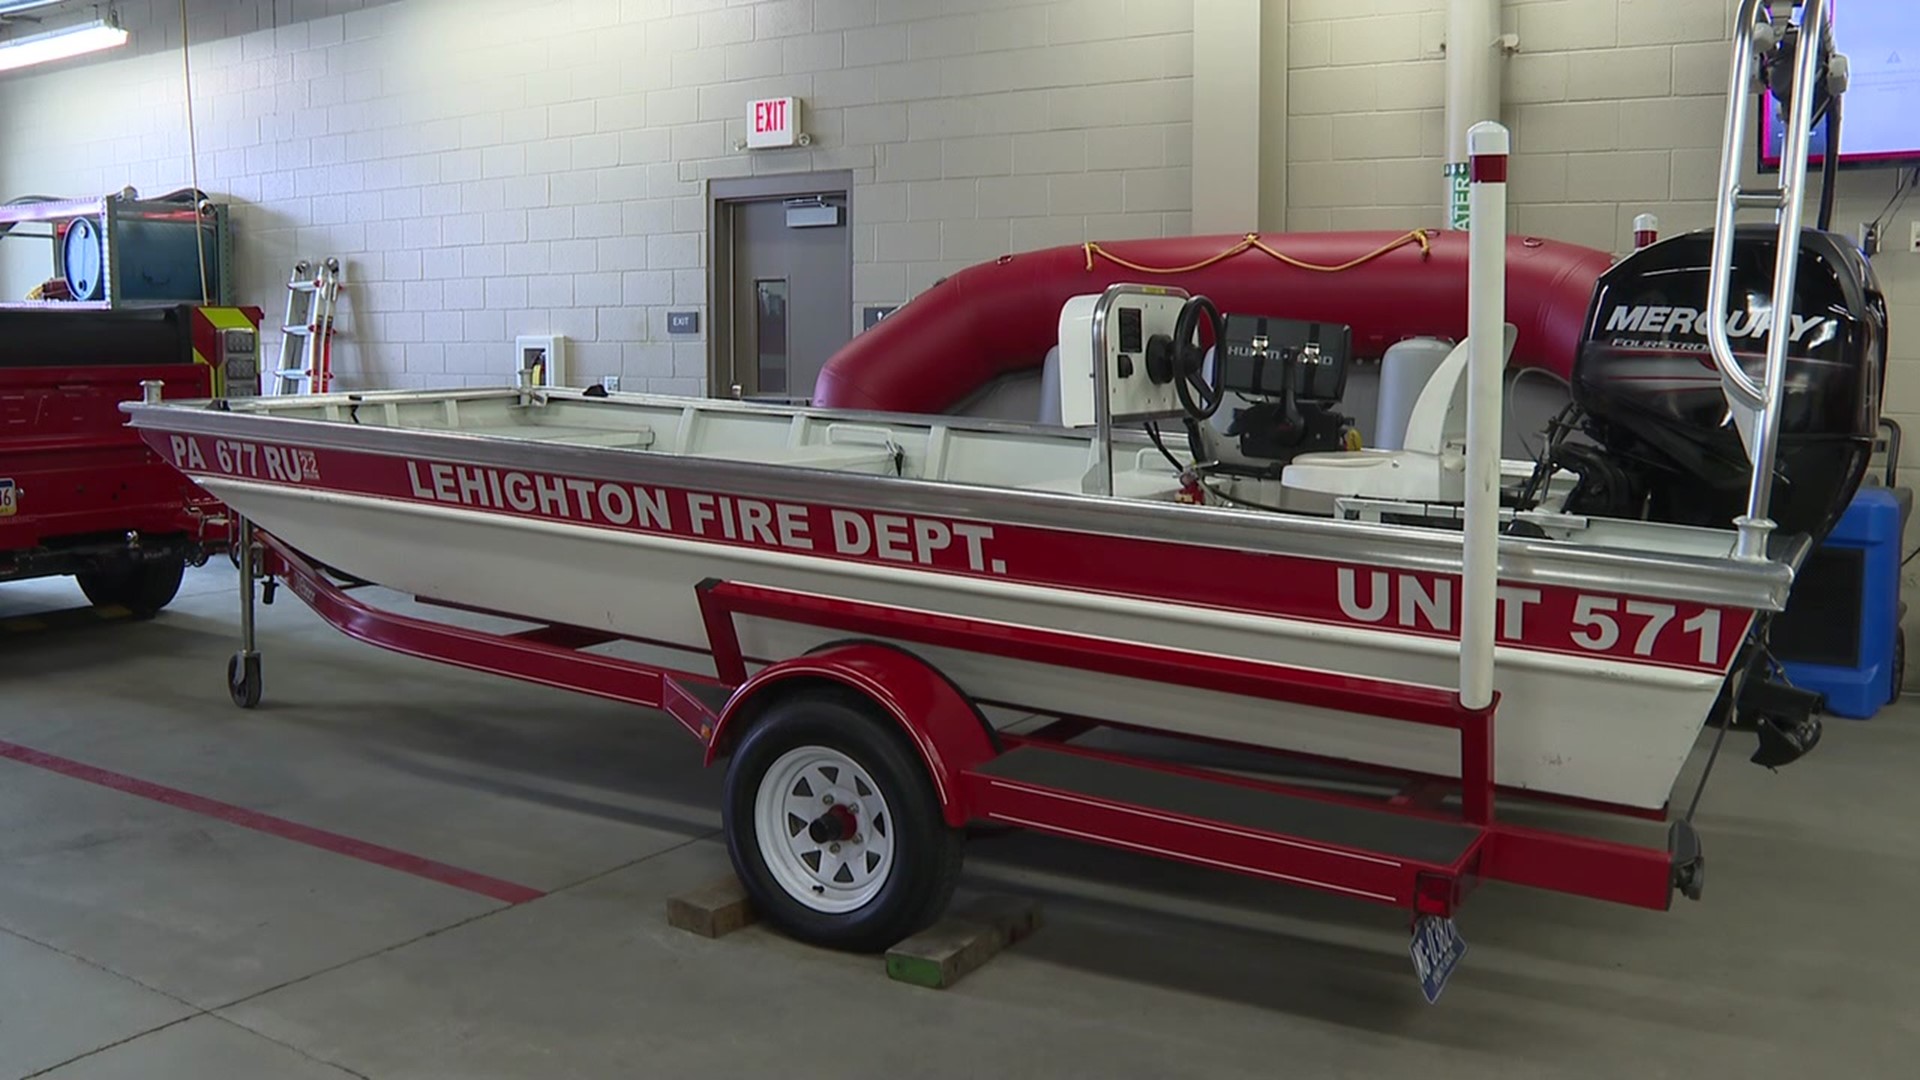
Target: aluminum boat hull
[{"x": 441, "y": 515}]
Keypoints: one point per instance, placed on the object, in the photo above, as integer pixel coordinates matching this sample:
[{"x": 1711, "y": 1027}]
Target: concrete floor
[{"x": 140, "y": 939}]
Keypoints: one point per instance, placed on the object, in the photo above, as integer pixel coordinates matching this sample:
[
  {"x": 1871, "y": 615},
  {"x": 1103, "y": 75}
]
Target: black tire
[
  {"x": 142, "y": 587},
  {"x": 244, "y": 683},
  {"x": 926, "y": 853}
]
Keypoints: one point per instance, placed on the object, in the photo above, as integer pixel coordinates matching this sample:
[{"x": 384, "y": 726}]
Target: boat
[
  {"x": 603, "y": 512},
  {"x": 598, "y": 510},
  {"x": 871, "y": 611}
]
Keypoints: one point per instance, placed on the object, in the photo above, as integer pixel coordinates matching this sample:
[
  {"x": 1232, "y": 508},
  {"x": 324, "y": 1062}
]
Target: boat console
[{"x": 1288, "y": 376}]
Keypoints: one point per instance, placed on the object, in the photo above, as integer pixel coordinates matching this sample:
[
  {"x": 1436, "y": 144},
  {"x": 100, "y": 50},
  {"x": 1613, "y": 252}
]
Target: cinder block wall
[{"x": 489, "y": 167}]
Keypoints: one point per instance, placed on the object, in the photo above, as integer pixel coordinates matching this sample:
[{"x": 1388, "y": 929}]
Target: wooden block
[
  {"x": 944, "y": 953},
  {"x": 713, "y": 910}
]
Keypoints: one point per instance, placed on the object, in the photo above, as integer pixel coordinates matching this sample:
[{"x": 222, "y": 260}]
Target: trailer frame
[{"x": 1405, "y": 849}]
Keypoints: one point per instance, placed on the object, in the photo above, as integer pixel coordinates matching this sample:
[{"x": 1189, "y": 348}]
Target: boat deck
[
  {"x": 955, "y": 450},
  {"x": 982, "y": 453}
]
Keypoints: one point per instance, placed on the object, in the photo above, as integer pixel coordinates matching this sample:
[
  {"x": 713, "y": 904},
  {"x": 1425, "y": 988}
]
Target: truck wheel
[
  {"x": 141, "y": 587},
  {"x": 834, "y": 826}
]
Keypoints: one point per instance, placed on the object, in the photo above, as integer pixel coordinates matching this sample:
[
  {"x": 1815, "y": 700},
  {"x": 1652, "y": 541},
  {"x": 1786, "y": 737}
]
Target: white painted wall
[{"x": 488, "y": 167}]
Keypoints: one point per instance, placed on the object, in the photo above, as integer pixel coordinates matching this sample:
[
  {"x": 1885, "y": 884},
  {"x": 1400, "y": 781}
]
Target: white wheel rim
[{"x": 833, "y": 876}]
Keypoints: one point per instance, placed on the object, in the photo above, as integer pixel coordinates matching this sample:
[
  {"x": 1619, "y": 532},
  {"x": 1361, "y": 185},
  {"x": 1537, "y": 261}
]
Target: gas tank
[{"x": 1652, "y": 395}]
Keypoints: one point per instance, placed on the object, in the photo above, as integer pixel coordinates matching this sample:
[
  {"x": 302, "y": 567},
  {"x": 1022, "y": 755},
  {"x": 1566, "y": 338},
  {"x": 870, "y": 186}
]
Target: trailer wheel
[
  {"x": 243, "y": 679},
  {"x": 834, "y": 826},
  {"x": 141, "y": 587}
]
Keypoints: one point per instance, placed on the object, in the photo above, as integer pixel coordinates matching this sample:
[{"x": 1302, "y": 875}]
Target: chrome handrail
[{"x": 1762, "y": 397}]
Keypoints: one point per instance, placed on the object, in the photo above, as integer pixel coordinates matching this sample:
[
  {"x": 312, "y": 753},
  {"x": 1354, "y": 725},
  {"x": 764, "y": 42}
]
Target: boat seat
[
  {"x": 1050, "y": 414},
  {"x": 1432, "y": 464}
]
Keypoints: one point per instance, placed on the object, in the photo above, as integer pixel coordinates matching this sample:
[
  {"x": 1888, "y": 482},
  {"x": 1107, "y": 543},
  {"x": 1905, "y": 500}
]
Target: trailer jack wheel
[
  {"x": 834, "y": 826},
  {"x": 1689, "y": 862},
  {"x": 243, "y": 679}
]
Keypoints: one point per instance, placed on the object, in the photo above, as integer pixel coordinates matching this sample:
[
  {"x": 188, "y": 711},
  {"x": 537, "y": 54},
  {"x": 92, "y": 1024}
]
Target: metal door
[{"x": 792, "y": 292}]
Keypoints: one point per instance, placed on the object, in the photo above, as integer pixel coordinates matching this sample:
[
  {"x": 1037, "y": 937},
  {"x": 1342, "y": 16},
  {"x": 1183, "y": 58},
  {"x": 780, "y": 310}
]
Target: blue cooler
[{"x": 1840, "y": 635}]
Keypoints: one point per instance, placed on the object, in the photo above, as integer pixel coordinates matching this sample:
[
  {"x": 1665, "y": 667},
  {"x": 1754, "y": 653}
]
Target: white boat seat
[
  {"x": 1430, "y": 467},
  {"x": 1050, "y": 414}
]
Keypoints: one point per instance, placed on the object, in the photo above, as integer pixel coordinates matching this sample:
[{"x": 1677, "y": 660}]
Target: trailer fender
[{"x": 948, "y": 731}]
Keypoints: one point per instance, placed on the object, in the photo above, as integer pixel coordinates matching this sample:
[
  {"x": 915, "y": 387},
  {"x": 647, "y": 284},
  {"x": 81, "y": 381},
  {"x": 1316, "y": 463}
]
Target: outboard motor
[
  {"x": 1651, "y": 397},
  {"x": 1664, "y": 445}
]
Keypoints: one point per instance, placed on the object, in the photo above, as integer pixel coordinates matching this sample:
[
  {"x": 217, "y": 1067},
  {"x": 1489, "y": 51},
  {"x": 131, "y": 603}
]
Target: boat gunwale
[{"x": 1760, "y": 586}]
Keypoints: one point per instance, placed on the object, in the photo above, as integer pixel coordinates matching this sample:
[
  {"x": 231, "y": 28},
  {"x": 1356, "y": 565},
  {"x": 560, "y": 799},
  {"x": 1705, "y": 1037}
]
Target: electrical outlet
[
  {"x": 540, "y": 360},
  {"x": 1913, "y": 243}
]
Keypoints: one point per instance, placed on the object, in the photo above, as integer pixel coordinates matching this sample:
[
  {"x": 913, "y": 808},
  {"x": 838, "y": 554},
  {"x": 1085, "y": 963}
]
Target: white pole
[
  {"x": 1487, "y": 146},
  {"x": 1646, "y": 231}
]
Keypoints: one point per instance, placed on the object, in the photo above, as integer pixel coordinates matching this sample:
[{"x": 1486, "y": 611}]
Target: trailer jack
[{"x": 1689, "y": 863}]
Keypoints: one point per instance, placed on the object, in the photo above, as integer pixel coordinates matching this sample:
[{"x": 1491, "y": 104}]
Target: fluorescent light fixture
[
  {"x": 61, "y": 44},
  {"x": 15, "y": 7}
]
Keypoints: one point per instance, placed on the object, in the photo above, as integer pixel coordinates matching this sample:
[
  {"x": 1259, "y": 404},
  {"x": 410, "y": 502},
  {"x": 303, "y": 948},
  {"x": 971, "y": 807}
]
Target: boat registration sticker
[
  {"x": 9, "y": 497},
  {"x": 1437, "y": 948}
]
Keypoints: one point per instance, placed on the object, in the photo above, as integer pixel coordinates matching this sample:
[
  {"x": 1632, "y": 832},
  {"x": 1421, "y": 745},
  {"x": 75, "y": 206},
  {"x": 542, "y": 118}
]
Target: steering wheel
[{"x": 1200, "y": 398}]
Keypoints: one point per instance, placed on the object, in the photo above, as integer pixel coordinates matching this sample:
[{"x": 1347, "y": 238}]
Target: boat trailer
[{"x": 1405, "y": 849}]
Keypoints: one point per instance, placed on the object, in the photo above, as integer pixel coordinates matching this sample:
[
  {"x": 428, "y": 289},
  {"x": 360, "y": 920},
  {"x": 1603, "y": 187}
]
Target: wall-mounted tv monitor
[{"x": 1880, "y": 122}]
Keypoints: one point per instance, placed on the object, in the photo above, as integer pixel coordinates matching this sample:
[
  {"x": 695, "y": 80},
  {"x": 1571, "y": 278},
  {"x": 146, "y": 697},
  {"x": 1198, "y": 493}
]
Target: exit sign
[{"x": 773, "y": 122}]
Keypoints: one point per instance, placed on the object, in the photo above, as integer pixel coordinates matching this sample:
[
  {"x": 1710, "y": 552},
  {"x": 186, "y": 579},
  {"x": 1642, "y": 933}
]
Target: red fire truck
[{"x": 80, "y": 494}]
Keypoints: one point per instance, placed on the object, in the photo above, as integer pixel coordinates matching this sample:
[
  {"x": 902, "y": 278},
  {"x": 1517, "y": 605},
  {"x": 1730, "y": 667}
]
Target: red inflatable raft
[{"x": 1002, "y": 317}]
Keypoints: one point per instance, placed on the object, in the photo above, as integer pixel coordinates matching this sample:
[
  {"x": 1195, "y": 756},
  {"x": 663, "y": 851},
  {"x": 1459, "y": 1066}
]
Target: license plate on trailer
[
  {"x": 9, "y": 498},
  {"x": 1436, "y": 949}
]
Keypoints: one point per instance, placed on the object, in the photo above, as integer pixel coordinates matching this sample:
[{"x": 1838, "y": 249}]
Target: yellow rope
[{"x": 1252, "y": 242}]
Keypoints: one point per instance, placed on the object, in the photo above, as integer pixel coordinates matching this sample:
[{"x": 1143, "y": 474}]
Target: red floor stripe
[{"x": 491, "y": 887}]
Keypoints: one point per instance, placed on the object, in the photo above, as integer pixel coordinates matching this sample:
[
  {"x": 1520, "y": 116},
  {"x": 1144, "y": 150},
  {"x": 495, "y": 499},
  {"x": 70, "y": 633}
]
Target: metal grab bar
[{"x": 1762, "y": 397}]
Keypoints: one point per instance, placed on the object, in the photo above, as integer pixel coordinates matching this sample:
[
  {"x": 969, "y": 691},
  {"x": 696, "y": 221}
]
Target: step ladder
[{"x": 306, "y": 334}]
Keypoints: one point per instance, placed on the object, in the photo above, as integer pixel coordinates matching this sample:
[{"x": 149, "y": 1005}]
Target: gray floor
[{"x": 143, "y": 940}]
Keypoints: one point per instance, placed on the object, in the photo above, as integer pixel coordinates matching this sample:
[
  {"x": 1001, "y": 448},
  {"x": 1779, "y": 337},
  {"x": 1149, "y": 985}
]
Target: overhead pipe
[{"x": 1473, "y": 91}]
